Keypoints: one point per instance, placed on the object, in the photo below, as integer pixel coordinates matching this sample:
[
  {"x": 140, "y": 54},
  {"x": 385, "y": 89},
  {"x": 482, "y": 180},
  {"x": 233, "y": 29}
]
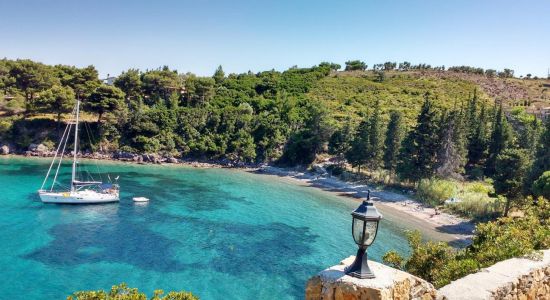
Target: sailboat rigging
[{"x": 80, "y": 192}]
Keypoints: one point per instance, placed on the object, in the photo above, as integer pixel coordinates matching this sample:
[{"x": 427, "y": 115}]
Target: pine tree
[
  {"x": 392, "y": 143},
  {"x": 418, "y": 155},
  {"x": 374, "y": 149},
  {"x": 451, "y": 156},
  {"x": 542, "y": 156},
  {"x": 219, "y": 75},
  {"x": 500, "y": 140}
]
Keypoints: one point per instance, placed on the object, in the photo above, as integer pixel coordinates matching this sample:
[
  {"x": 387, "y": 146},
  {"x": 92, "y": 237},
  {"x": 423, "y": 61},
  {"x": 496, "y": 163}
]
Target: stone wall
[
  {"x": 516, "y": 278},
  {"x": 390, "y": 283}
]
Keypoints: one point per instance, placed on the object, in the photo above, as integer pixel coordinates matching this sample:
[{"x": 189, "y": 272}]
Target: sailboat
[{"x": 80, "y": 192}]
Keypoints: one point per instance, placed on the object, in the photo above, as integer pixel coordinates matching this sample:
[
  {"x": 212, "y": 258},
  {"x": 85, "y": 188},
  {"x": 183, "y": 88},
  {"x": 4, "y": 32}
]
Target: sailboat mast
[{"x": 75, "y": 144}]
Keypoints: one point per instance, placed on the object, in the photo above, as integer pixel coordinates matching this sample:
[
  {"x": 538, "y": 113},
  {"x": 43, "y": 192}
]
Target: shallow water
[{"x": 222, "y": 234}]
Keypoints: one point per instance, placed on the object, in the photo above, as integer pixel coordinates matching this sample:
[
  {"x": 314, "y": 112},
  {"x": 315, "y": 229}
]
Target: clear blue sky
[{"x": 259, "y": 35}]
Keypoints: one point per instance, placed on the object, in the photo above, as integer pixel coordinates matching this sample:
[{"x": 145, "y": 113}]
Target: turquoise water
[{"x": 222, "y": 234}]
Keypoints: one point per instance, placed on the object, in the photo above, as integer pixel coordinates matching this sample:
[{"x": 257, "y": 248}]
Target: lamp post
[{"x": 364, "y": 229}]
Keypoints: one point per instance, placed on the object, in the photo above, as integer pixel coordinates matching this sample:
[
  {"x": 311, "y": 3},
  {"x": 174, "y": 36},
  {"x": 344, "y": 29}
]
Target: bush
[
  {"x": 335, "y": 170},
  {"x": 493, "y": 241},
  {"x": 435, "y": 191},
  {"x": 123, "y": 292},
  {"x": 541, "y": 186},
  {"x": 477, "y": 206}
]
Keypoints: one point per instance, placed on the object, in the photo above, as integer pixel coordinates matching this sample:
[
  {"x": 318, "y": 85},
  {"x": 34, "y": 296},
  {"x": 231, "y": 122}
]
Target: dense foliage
[
  {"x": 385, "y": 119},
  {"x": 123, "y": 292},
  {"x": 493, "y": 241}
]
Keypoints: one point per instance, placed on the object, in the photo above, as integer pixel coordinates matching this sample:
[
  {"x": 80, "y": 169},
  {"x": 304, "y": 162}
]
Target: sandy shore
[{"x": 396, "y": 207}]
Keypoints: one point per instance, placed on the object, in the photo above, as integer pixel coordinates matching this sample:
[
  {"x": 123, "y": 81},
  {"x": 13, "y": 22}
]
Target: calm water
[{"x": 222, "y": 234}]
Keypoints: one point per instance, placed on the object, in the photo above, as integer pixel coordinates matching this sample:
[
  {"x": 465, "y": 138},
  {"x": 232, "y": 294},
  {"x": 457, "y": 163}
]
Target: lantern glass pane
[
  {"x": 357, "y": 231},
  {"x": 370, "y": 232}
]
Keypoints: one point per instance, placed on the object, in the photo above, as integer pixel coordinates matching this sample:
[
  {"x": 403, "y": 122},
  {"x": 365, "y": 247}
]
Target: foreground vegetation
[
  {"x": 493, "y": 241},
  {"x": 123, "y": 292}
]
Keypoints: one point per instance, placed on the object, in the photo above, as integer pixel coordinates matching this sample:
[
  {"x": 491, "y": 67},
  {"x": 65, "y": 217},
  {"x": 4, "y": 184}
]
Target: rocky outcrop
[
  {"x": 516, "y": 278},
  {"x": 4, "y": 150},
  {"x": 389, "y": 284}
]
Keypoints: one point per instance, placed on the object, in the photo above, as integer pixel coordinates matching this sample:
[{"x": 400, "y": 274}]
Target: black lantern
[{"x": 364, "y": 229}]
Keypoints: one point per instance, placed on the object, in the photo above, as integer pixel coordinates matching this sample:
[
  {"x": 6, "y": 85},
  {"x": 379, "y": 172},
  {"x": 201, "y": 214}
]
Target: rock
[
  {"x": 38, "y": 148},
  {"x": 4, "y": 150},
  {"x": 389, "y": 284},
  {"x": 172, "y": 160}
]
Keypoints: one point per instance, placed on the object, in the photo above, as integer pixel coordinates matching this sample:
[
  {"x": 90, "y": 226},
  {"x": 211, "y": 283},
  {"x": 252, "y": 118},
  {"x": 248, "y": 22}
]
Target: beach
[{"x": 395, "y": 206}]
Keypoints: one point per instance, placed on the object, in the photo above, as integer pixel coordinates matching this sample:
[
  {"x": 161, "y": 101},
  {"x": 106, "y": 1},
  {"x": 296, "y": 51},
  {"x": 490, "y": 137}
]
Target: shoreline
[
  {"x": 403, "y": 209},
  {"x": 396, "y": 207}
]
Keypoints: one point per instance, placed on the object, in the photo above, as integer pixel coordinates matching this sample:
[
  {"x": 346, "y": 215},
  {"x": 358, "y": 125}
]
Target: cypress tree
[
  {"x": 528, "y": 136},
  {"x": 477, "y": 143},
  {"x": 510, "y": 170},
  {"x": 452, "y": 153},
  {"x": 418, "y": 155},
  {"x": 542, "y": 156},
  {"x": 472, "y": 116},
  {"x": 374, "y": 149},
  {"x": 358, "y": 152},
  {"x": 392, "y": 143},
  {"x": 500, "y": 139}
]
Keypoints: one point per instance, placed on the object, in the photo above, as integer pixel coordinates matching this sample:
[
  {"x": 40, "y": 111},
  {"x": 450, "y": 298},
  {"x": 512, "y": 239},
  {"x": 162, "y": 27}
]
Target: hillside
[{"x": 348, "y": 94}]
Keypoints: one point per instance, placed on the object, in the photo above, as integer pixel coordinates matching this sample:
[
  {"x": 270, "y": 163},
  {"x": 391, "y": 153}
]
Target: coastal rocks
[
  {"x": 172, "y": 160},
  {"x": 389, "y": 284},
  {"x": 4, "y": 150},
  {"x": 38, "y": 150}
]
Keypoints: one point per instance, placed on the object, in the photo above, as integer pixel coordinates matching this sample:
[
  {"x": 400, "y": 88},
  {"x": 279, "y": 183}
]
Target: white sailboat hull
[{"x": 78, "y": 197}]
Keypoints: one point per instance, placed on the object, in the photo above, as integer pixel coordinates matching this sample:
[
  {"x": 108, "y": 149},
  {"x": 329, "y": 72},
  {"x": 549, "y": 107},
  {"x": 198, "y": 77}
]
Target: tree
[
  {"x": 83, "y": 81},
  {"x": 330, "y": 66},
  {"x": 31, "y": 78},
  {"x": 375, "y": 140},
  {"x": 104, "y": 99},
  {"x": 541, "y": 162},
  {"x": 340, "y": 140},
  {"x": 353, "y": 65},
  {"x": 500, "y": 140},
  {"x": 392, "y": 143},
  {"x": 417, "y": 158},
  {"x": 130, "y": 83},
  {"x": 219, "y": 75},
  {"x": 59, "y": 100},
  {"x": 477, "y": 142},
  {"x": 357, "y": 153},
  {"x": 541, "y": 186},
  {"x": 510, "y": 171},
  {"x": 452, "y": 154}
]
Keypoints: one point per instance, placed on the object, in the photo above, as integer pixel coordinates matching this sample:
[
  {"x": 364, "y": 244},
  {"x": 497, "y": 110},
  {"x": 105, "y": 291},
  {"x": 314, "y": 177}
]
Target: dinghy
[{"x": 140, "y": 199}]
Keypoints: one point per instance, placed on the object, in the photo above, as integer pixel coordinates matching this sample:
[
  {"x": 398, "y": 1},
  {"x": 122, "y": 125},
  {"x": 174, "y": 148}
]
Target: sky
[{"x": 197, "y": 36}]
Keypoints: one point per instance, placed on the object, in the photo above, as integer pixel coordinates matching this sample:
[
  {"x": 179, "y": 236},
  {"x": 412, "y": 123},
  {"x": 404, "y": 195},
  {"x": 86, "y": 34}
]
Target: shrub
[
  {"x": 541, "y": 186},
  {"x": 494, "y": 241},
  {"x": 435, "y": 191},
  {"x": 123, "y": 292}
]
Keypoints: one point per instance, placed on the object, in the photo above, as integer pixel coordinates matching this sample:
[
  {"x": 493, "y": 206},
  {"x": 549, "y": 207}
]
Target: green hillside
[{"x": 350, "y": 94}]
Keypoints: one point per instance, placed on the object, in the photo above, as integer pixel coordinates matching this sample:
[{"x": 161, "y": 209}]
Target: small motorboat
[{"x": 140, "y": 199}]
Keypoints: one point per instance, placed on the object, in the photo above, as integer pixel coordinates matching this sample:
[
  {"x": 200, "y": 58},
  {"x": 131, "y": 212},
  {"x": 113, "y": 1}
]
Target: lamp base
[{"x": 360, "y": 267}]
